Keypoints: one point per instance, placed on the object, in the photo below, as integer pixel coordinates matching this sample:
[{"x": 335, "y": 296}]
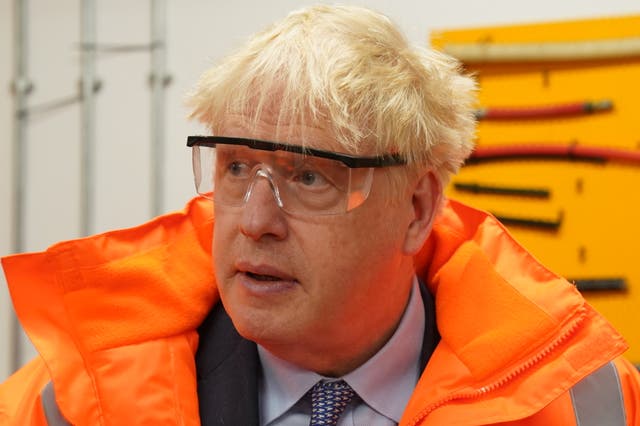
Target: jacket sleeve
[
  {"x": 20, "y": 400},
  {"x": 630, "y": 387}
]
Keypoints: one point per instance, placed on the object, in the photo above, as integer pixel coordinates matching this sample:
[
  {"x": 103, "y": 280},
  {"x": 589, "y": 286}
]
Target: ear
[{"x": 427, "y": 195}]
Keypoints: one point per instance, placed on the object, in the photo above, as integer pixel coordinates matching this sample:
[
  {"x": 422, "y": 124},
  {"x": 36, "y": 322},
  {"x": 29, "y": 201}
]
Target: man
[{"x": 345, "y": 291}]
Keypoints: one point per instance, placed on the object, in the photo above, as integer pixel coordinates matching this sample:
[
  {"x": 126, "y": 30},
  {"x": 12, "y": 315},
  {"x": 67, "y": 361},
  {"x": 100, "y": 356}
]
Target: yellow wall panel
[{"x": 597, "y": 205}]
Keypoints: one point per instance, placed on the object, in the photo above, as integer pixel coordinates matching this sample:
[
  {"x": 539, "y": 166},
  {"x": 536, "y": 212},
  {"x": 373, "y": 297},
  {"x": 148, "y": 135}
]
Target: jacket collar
[{"x": 505, "y": 320}]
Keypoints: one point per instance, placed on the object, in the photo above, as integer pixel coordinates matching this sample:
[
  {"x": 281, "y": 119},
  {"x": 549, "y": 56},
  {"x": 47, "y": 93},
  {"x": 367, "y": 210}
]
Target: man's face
[{"x": 319, "y": 291}]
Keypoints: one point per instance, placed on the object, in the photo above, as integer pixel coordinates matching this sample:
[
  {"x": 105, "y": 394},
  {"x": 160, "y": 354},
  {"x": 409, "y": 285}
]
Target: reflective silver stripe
[
  {"x": 50, "y": 407},
  {"x": 597, "y": 399}
]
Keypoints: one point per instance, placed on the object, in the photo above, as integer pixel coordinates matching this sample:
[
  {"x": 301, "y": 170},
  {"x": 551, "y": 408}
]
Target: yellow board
[{"x": 596, "y": 205}]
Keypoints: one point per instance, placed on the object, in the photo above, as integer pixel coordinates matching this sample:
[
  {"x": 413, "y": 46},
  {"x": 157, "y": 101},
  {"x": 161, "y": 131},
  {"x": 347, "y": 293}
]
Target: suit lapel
[
  {"x": 431, "y": 336},
  {"x": 228, "y": 369}
]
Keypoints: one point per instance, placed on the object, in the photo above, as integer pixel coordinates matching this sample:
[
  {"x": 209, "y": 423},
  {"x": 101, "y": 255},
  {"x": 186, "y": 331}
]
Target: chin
[{"x": 258, "y": 325}]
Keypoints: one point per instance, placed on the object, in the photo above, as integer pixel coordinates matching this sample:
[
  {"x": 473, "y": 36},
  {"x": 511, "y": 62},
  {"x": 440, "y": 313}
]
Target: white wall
[{"x": 199, "y": 31}]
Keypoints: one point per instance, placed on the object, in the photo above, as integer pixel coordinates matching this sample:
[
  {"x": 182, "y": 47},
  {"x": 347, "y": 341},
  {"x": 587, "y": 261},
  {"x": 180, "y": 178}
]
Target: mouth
[{"x": 263, "y": 279}]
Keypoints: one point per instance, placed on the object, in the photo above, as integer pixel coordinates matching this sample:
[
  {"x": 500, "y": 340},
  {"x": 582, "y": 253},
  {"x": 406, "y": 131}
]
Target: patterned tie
[{"x": 328, "y": 401}]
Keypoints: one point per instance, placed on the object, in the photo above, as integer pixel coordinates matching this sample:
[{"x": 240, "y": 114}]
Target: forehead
[
  {"x": 278, "y": 158},
  {"x": 310, "y": 135}
]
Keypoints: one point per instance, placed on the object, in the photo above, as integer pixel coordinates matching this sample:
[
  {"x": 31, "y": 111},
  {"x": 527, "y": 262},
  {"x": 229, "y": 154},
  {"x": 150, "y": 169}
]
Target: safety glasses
[{"x": 304, "y": 181}]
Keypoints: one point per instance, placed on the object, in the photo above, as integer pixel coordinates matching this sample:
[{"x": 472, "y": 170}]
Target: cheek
[
  {"x": 222, "y": 246},
  {"x": 352, "y": 271},
  {"x": 346, "y": 251}
]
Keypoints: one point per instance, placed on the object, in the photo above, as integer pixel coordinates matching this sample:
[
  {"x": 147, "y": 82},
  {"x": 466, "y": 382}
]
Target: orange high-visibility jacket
[{"x": 114, "y": 319}]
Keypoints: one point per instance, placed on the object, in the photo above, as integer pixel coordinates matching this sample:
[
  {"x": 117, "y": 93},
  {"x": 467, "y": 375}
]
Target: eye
[
  {"x": 311, "y": 178},
  {"x": 238, "y": 168},
  {"x": 232, "y": 162}
]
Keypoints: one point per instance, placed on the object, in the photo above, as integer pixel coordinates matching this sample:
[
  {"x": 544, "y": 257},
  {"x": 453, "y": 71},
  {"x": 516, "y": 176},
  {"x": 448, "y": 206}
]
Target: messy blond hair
[{"x": 348, "y": 70}]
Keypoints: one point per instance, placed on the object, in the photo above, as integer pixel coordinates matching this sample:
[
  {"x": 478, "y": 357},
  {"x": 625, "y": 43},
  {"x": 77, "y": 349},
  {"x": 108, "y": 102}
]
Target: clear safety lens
[{"x": 300, "y": 183}]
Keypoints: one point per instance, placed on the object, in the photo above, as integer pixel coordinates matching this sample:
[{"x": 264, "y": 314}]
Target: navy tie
[{"x": 328, "y": 401}]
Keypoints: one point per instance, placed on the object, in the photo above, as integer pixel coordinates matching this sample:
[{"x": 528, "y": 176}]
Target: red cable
[
  {"x": 575, "y": 152},
  {"x": 546, "y": 111}
]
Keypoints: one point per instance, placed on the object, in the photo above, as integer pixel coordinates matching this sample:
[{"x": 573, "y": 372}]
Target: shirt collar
[{"x": 385, "y": 382}]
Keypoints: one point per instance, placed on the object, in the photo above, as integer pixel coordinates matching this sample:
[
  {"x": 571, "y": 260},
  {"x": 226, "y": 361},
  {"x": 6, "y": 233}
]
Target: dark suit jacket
[{"x": 228, "y": 367}]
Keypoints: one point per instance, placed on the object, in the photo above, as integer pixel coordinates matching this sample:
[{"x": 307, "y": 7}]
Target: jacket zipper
[{"x": 511, "y": 375}]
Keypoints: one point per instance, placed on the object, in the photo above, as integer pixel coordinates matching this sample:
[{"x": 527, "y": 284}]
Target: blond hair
[{"x": 349, "y": 70}]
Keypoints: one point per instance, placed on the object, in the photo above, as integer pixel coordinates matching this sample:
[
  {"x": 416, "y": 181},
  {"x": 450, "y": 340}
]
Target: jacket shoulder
[
  {"x": 629, "y": 378},
  {"x": 20, "y": 400},
  {"x": 607, "y": 396}
]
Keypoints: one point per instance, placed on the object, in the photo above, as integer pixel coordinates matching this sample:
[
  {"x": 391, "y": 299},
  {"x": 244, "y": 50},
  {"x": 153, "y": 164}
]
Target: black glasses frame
[{"x": 350, "y": 161}]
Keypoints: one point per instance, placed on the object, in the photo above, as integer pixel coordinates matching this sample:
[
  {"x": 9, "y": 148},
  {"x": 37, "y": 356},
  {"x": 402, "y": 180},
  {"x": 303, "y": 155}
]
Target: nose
[
  {"x": 262, "y": 215},
  {"x": 260, "y": 173}
]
